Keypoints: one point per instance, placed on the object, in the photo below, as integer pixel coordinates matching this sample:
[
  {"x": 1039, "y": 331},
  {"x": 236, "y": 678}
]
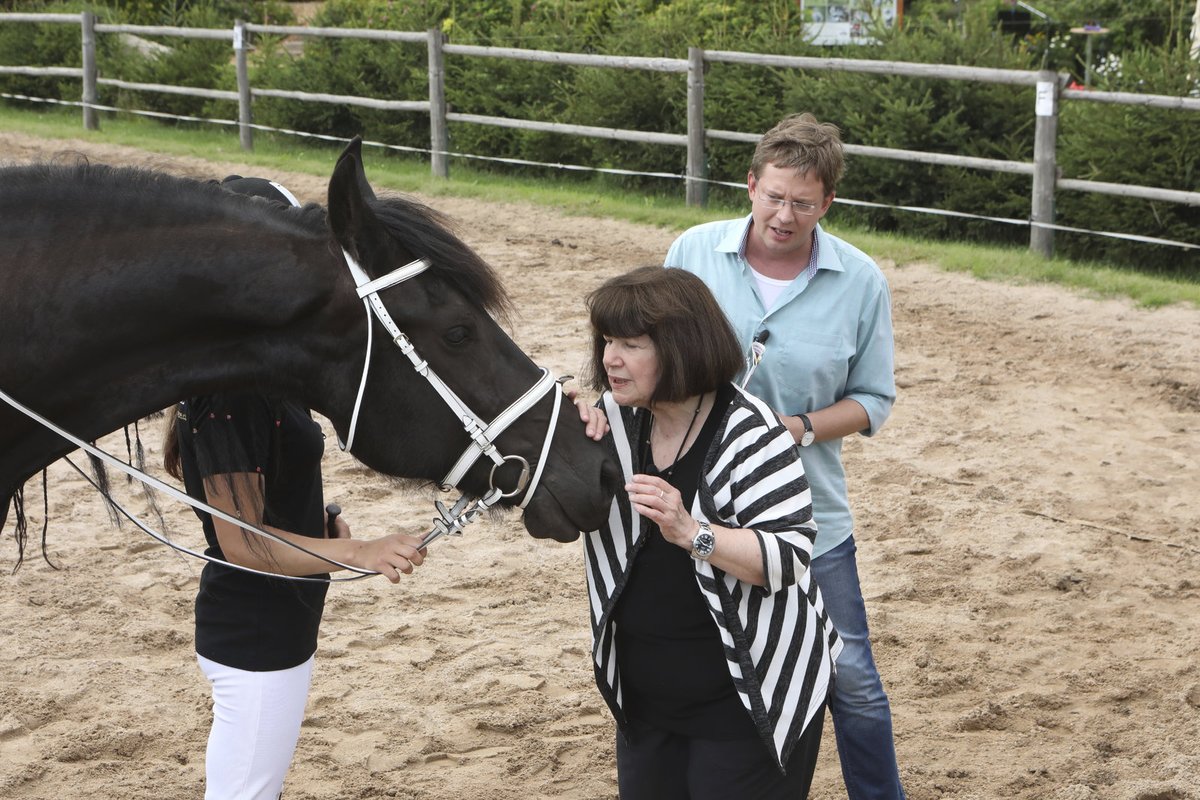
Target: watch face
[
  {"x": 704, "y": 544},
  {"x": 808, "y": 437}
]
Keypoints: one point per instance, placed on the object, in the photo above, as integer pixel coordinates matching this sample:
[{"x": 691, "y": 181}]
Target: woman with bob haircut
[{"x": 714, "y": 653}]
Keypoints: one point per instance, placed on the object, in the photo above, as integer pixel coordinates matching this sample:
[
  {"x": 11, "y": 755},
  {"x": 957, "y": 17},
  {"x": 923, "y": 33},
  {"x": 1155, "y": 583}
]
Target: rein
[{"x": 183, "y": 497}]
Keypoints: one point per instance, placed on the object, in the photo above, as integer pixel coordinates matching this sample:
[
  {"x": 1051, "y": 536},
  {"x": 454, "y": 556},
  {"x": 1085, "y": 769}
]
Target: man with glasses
[{"x": 815, "y": 315}]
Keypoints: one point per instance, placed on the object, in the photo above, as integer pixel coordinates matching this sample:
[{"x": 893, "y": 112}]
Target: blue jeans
[{"x": 862, "y": 718}]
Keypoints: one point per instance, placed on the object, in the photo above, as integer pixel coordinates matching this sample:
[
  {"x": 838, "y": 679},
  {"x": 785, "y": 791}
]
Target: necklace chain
[{"x": 666, "y": 473}]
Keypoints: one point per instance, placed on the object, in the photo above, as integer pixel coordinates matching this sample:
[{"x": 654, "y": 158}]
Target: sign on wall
[{"x": 847, "y": 21}]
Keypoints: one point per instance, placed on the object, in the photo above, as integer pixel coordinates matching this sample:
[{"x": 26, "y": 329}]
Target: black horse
[{"x": 122, "y": 291}]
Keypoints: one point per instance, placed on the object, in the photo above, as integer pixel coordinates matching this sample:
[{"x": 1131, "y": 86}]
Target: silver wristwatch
[{"x": 704, "y": 542}]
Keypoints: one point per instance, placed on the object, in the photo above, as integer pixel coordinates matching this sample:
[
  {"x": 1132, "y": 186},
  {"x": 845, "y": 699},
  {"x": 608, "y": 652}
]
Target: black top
[
  {"x": 674, "y": 674},
  {"x": 247, "y": 621}
]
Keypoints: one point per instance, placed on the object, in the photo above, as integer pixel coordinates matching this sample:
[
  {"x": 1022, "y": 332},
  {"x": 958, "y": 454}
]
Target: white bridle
[{"x": 482, "y": 434}]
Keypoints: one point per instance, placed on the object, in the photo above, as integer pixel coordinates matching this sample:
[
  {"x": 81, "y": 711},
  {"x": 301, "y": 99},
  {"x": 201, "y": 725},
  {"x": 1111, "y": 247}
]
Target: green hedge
[
  {"x": 48, "y": 45},
  {"x": 1145, "y": 51},
  {"x": 1135, "y": 145}
]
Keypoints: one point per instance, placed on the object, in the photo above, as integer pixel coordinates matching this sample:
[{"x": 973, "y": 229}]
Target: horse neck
[{"x": 133, "y": 332}]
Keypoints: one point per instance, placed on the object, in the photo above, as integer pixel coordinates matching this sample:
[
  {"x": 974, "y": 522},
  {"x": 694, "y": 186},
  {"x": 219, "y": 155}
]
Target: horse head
[{"x": 444, "y": 376}]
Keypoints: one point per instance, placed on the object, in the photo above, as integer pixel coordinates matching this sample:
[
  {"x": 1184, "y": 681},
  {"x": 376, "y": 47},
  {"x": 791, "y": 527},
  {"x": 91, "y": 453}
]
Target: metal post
[
  {"x": 1045, "y": 166},
  {"x": 697, "y": 189},
  {"x": 245, "y": 133},
  {"x": 91, "y": 120},
  {"x": 439, "y": 137}
]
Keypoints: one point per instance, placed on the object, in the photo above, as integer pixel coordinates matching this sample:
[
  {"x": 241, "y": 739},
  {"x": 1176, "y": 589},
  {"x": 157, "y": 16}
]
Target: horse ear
[
  {"x": 353, "y": 151},
  {"x": 350, "y": 217}
]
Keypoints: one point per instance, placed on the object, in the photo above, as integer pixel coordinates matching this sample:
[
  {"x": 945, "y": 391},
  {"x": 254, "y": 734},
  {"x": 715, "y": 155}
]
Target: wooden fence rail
[{"x": 1049, "y": 88}]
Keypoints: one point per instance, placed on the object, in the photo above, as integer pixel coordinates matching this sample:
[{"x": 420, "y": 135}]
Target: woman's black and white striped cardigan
[{"x": 779, "y": 642}]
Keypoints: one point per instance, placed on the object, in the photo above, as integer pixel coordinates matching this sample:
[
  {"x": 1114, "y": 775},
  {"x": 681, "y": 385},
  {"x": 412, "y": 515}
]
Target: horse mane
[
  {"x": 424, "y": 232},
  {"x": 427, "y": 233},
  {"x": 135, "y": 454},
  {"x": 150, "y": 194}
]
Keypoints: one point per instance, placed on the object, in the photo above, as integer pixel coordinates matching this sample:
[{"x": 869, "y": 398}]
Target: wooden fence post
[
  {"x": 439, "y": 136},
  {"x": 697, "y": 189},
  {"x": 245, "y": 99},
  {"x": 1045, "y": 164},
  {"x": 91, "y": 120}
]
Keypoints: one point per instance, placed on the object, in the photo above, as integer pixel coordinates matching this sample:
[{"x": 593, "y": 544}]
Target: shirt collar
[{"x": 822, "y": 257}]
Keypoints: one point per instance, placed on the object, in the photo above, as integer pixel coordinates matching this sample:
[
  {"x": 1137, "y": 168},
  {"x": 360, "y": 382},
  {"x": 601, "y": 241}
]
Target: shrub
[
  {"x": 383, "y": 70},
  {"x": 197, "y": 63},
  {"x": 1139, "y": 146},
  {"x": 940, "y": 116},
  {"x": 48, "y": 45}
]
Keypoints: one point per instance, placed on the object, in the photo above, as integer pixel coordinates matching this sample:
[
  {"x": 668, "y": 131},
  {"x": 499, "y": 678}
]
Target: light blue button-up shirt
[{"x": 830, "y": 337}]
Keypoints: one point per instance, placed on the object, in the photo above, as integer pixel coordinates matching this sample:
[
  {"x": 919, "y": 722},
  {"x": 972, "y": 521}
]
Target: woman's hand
[
  {"x": 387, "y": 555},
  {"x": 390, "y": 555},
  {"x": 738, "y": 552},
  {"x": 594, "y": 419},
  {"x": 661, "y": 503}
]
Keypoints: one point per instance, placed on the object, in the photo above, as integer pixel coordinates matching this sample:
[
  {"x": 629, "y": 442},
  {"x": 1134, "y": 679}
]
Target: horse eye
[{"x": 457, "y": 335}]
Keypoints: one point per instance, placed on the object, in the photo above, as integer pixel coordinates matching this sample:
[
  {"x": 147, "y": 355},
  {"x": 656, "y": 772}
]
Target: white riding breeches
[{"x": 256, "y": 722}]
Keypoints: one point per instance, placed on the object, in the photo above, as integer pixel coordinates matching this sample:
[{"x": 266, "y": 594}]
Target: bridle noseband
[{"x": 482, "y": 434}]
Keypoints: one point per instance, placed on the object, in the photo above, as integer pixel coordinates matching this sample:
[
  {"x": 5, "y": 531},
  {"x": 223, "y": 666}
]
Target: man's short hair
[{"x": 799, "y": 142}]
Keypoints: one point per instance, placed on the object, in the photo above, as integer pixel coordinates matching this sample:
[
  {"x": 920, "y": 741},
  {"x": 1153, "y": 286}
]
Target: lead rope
[
  {"x": 174, "y": 493},
  {"x": 449, "y": 522}
]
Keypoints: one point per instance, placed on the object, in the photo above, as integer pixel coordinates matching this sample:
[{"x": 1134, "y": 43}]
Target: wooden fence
[{"x": 1050, "y": 91}]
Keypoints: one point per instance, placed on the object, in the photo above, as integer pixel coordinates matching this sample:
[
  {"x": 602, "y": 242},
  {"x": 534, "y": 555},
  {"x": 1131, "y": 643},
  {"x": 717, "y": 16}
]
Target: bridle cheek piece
[{"x": 482, "y": 434}]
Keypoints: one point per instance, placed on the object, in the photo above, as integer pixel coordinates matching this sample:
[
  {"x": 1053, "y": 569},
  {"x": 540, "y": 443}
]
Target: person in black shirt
[
  {"x": 258, "y": 459},
  {"x": 711, "y": 645}
]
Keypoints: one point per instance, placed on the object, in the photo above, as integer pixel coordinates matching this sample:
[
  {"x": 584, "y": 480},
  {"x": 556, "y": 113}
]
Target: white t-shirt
[{"x": 769, "y": 288}]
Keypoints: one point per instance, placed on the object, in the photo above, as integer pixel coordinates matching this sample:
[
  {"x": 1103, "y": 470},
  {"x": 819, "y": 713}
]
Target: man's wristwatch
[
  {"x": 808, "y": 437},
  {"x": 704, "y": 542}
]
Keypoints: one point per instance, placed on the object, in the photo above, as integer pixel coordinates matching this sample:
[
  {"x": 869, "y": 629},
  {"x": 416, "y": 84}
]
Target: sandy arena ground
[{"x": 1029, "y": 541}]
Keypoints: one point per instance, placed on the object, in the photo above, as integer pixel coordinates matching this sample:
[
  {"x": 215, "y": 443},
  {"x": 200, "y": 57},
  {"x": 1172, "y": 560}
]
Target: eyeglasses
[{"x": 800, "y": 208}]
